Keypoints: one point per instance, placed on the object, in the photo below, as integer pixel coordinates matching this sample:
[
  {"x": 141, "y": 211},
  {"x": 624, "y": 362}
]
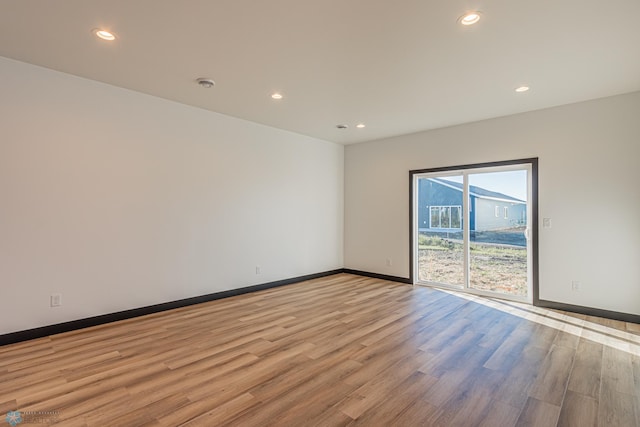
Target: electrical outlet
[
  {"x": 575, "y": 285},
  {"x": 258, "y": 269},
  {"x": 389, "y": 262},
  {"x": 546, "y": 222},
  {"x": 55, "y": 300}
]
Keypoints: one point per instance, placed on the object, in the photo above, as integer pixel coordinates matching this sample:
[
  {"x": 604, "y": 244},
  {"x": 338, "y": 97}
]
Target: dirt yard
[{"x": 493, "y": 267}]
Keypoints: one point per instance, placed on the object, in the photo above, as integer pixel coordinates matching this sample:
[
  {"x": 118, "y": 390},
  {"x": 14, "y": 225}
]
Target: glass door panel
[
  {"x": 498, "y": 227},
  {"x": 440, "y": 243}
]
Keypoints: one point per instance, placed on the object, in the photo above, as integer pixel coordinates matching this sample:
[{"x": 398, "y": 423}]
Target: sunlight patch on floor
[{"x": 612, "y": 337}]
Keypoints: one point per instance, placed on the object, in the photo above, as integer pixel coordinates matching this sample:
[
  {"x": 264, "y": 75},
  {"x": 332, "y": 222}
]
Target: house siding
[
  {"x": 437, "y": 195},
  {"x": 486, "y": 218},
  {"x": 482, "y": 214}
]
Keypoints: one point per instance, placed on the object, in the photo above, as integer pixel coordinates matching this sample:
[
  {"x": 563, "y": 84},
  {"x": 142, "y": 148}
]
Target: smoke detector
[
  {"x": 205, "y": 83},
  {"x": 342, "y": 126}
]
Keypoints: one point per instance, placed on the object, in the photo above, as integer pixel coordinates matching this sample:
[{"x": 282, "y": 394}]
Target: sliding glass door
[
  {"x": 471, "y": 229},
  {"x": 440, "y": 241},
  {"x": 498, "y": 243}
]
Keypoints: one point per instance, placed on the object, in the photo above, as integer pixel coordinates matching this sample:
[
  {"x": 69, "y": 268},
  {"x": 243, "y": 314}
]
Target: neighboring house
[{"x": 488, "y": 210}]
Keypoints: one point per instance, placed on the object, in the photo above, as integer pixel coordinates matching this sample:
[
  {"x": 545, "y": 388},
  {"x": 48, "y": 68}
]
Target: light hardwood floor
[{"x": 342, "y": 350}]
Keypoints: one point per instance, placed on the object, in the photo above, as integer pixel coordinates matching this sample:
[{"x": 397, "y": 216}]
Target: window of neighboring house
[
  {"x": 445, "y": 217},
  {"x": 456, "y": 217},
  {"x": 506, "y": 212},
  {"x": 497, "y": 212}
]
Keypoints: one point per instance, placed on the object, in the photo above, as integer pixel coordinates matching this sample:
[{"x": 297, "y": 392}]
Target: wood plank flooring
[{"x": 339, "y": 351}]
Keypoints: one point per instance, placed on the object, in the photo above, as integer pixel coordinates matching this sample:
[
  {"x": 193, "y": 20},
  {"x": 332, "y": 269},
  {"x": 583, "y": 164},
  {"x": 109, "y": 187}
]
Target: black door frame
[{"x": 534, "y": 212}]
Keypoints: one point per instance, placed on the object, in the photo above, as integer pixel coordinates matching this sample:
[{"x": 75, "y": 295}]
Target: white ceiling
[{"x": 398, "y": 66}]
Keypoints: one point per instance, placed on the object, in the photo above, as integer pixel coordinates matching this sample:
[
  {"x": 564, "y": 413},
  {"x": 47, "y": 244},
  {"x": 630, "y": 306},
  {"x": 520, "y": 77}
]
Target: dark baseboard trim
[
  {"x": 45, "y": 331},
  {"x": 589, "y": 311},
  {"x": 378, "y": 276},
  {"x": 59, "y": 328}
]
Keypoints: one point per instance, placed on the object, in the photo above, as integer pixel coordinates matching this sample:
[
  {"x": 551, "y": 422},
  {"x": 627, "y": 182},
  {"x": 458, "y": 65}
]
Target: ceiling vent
[{"x": 205, "y": 83}]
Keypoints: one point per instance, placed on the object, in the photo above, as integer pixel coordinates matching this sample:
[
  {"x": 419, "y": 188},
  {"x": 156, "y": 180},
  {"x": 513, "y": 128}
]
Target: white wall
[
  {"x": 119, "y": 200},
  {"x": 589, "y": 175}
]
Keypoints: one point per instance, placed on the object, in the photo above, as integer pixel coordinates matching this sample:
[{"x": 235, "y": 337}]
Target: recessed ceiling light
[
  {"x": 104, "y": 34},
  {"x": 276, "y": 95},
  {"x": 522, "y": 88},
  {"x": 360, "y": 125},
  {"x": 469, "y": 18},
  {"x": 205, "y": 82}
]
